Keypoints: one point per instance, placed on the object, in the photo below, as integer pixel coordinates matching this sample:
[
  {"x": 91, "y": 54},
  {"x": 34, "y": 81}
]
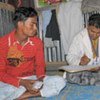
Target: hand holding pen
[{"x": 84, "y": 60}]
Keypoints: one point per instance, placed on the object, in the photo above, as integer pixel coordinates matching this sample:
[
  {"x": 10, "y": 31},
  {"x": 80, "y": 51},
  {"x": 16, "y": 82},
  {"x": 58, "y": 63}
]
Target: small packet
[{"x": 37, "y": 84}]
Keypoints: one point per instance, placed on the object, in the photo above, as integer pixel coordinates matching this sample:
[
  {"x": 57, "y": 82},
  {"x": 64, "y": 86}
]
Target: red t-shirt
[{"x": 20, "y": 61}]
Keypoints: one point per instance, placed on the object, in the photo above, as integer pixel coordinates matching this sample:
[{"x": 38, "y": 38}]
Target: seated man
[
  {"x": 22, "y": 62},
  {"x": 85, "y": 48}
]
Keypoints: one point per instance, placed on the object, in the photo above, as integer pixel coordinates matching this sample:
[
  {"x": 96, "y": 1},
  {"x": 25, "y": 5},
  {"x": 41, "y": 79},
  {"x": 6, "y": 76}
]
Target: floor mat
[{"x": 75, "y": 92}]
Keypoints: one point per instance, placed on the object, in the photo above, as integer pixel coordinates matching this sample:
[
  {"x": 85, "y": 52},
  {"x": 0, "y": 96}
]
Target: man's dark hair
[
  {"x": 22, "y": 13},
  {"x": 94, "y": 20}
]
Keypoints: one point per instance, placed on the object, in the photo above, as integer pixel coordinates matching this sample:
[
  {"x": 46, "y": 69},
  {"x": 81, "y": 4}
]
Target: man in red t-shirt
[
  {"x": 22, "y": 60},
  {"x": 21, "y": 51}
]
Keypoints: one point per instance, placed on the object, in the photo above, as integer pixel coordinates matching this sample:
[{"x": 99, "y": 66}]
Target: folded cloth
[{"x": 90, "y": 6}]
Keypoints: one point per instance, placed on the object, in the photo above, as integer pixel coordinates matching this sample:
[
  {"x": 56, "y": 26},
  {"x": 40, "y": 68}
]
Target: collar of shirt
[{"x": 12, "y": 40}]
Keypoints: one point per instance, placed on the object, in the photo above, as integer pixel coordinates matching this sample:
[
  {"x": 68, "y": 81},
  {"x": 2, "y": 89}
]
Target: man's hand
[
  {"x": 28, "y": 84},
  {"x": 95, "y": 69},
  {"x": 84, "y": 60}
]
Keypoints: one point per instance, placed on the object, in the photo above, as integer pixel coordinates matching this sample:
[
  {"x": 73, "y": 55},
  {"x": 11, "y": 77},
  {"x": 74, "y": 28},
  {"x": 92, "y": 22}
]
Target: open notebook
[{"x": 75, "y": 68}]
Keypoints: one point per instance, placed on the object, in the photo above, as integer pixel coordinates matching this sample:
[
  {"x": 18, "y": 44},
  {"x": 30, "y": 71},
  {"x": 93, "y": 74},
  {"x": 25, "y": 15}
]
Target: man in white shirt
[
  {"x": 86, "y": 45},
  {"x": 85, "y": 50}
]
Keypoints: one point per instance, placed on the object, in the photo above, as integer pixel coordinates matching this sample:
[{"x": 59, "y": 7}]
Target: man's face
[
  {"x": 94, "y": 32},
  {"x": 30, "y": 26}
]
